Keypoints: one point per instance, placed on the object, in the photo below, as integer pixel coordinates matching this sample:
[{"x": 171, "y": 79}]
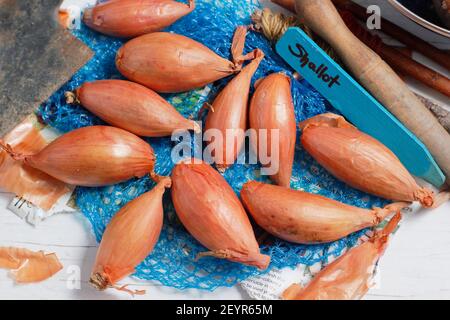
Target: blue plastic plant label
[{"x": 356, "y": 104}]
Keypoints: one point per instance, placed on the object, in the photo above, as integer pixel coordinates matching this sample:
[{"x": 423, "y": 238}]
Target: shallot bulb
[
  {"x": 306, "y": 218},
  {"x": 272, "y": 108},
  {"x": 228, "y": 115},
  {"x": 92, "y": 156},
  {"x": 213, "y": 214},
  {"x": 360, "y": 160},
  {"x": 350, "y": 276},
  {"x": 28, "y": 266},
  {"x": 132, "y": 107},
  {"x": 131, "y": 18},
  {"x": 129, "y": 238},
  {"x": 168, "y": 62}
]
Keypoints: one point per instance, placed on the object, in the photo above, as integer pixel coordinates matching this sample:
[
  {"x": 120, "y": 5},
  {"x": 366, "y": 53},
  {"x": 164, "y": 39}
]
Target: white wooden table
[{"x": 415, "y": 266}]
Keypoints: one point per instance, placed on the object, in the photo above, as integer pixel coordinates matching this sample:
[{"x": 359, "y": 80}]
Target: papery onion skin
[
  {"x": 132, "y": 107},
  {"x": 28, "y": 266},
  {"x": 306, "y": 218},
  {"x": 170, "y": 63},
  {"x": 360, "y": 160},
  {"x": 33, "y": 185},
  {"x": 130, "y": 237},
  {"x": 229, "y": 112},
  {"x": 349, "y": 277},
  {"x": 93, "y": 156},
  {"x": 212, "y": 213},
  {"x": 272, "y": 108},
  {"x": 131, "y": 18}
]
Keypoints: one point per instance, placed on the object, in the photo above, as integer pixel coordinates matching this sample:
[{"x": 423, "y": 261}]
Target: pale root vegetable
[
  {"x": 131, "y": 18},
  {"x": 306, "y": 218},
  {"x": 287, "y": 4},
  {"x": 132, "y": 107},
  {"x": 28, "y": 266},
  {"x": 360, "y": 160},
  {"x": 377, "y": 77},
  {"x": 92, "y": 156},
  {"x": 350, "y": 276},
  {"x": 212, "y": 213},
  {"x": 129, "y": 238},
  {"x": 228, "y": 115},
  {"x": 169, "y": 62},
  {"x": 272, "y": 108}
]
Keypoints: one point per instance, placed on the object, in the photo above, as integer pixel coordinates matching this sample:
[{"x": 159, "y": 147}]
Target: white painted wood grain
[{"x": 416, "y": 264}]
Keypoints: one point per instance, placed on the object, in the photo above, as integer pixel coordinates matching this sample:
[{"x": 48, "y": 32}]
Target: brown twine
[{"x": 273, "y": 25}]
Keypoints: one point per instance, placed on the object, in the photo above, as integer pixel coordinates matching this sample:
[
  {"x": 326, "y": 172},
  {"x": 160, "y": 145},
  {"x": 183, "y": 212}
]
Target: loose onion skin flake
[
  {"x": 360, "y": 160},
  {"x": 306, "y": 218},
  {"x": 28, "y": 266},
  {"x": 92, "y": 156},
  {"x": 212, "y": 213},
  {"x": 272, "y": 108},
  {"x": 350, "y": 276},
  {"x": 170, "y": 63},
  {"x": 228, "y": 114},
  {"x": 129, "y": 238},
  {"x": 132, "y": 107},
  {"x": 131, "y": 18}
]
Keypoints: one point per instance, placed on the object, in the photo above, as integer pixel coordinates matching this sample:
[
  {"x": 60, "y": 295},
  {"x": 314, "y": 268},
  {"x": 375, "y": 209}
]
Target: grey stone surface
[{"x": 37, "y": 57}]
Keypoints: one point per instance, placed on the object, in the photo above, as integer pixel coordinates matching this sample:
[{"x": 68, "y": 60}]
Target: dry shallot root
[
  {"x": 28, "y": 266},
  {"x": 130, "y": 18},
  {"x": 362, "y": 161},
  {"x": 212, "y": 213},
  {"x": 272, "y": 108},
  {"x": 129, "y": 238},
  {"x": 306, "y": 218},
  {"x": 350, "y": 276},
  {"x": 132, "y": 107},
  {"x": 171, "y": 63},
  {"x": 228, "y": 114},
  {"x": 92, "y": 156}
]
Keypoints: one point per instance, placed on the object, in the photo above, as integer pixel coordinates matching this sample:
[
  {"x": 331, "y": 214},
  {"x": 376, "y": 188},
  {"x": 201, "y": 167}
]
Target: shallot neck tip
[
  {"x": 9, "y": 150},
  {"x": 425, "y": 197},
  {"x": 164, "y": 181}
]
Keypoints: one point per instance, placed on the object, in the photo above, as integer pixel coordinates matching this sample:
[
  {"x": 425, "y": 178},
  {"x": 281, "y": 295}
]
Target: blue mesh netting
[{"x": 173, "y": 261}]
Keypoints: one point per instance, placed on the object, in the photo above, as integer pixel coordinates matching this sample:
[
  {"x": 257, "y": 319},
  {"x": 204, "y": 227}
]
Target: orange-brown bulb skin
[
  {"x": 229, "y": 114},
  {"x": 350, "y": 276},
  {"x": 132, "y": 107},
  {"x": 272, "y": 108},
  {"x": 131, "y": 18},
  {"x": 168, "y": 62},
  {"x": 95, "y": 156},
  {"x": 306, "y": 218},
  {"x": 212, "y": 213},
  {"x": 130, "y": 237},
  {"x": 361, "y": 161}
]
